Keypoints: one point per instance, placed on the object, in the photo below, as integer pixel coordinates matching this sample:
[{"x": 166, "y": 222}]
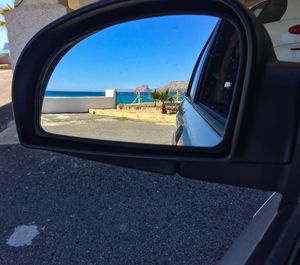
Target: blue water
[
  {"x": 122, "y": 97},
  {"x": 129, "y": 97}
]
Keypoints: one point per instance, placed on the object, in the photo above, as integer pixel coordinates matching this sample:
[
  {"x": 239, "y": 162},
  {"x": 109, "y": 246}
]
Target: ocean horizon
[{"x": 122, "y": 97}]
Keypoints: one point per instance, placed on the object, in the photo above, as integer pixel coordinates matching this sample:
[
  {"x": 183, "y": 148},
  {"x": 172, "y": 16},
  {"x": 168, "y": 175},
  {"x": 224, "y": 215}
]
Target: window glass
[
  {"x": 198, "y": 72},
  {"x": 219, "y": 80},
  {"x": 269, "y": 10},
  {"x": 257, "y": 9}
]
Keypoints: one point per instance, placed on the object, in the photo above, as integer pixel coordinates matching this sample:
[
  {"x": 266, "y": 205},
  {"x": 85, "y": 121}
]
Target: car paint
[
  {"x": 283, "y": 41},
  {"x": 192, "y": 126},
  {"x": 196, "y": 131}
]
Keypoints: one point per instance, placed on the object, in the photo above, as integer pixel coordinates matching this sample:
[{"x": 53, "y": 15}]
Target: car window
[
  {"x": 258, "y": 8},
  {"x": 270, "y": 10},
  {"x": 216, "y": 88},
  {"x": 198, "y": 72}
]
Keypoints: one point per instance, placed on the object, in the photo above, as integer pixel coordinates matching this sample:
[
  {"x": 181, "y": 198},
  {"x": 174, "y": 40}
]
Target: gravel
[{"x": 92, "y": 213}]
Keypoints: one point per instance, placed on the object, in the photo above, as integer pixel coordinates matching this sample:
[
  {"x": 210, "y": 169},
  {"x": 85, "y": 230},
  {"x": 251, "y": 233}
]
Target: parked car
[
  {"x": 282, "y": 21},
  {"x": 202, "y": 118}
]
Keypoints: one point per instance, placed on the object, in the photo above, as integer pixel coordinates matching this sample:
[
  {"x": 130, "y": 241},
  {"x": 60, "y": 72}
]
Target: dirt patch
[{"x": 139, "y": 115}]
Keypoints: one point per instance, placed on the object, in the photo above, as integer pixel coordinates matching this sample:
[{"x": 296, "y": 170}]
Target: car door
[{"x": 202, "y": 118}]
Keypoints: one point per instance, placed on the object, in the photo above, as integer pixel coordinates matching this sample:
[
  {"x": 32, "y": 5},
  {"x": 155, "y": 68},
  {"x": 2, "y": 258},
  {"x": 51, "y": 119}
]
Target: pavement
[
  {"x": 138, "y": 115},
  {"x": 103, "y": 127},
  {"x": 56, "y": 209}
]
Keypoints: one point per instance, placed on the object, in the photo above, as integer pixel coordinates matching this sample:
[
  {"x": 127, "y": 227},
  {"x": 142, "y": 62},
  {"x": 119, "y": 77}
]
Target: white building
[{"x": 29, "y": 16}]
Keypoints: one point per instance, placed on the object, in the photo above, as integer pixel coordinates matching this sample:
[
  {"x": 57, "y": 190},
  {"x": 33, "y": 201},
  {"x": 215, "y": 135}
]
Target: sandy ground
[
  {"x": 109, "y": 128},
  {"x": 139, "y": 115}
]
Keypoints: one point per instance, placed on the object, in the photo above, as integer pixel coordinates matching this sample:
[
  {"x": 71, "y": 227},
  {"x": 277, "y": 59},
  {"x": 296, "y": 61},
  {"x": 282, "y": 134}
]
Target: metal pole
[{"x": 139, "y": 97}]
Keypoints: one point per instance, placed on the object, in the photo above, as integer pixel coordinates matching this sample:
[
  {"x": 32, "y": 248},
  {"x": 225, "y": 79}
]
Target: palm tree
[
  {"x": 162, "y": 96},
  {"x": 3, "y": 11}
]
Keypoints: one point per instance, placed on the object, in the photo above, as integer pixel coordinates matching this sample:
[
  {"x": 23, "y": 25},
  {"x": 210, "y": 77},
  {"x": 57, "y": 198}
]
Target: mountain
[
  {"x": 175, "y": 86},
  {"x": 143, "y": 88}
]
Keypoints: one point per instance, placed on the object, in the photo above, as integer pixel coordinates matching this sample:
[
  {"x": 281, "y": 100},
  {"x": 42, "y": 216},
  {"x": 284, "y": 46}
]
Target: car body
[
  {"x": 203, "y": 115},
  {"x": 203, "y": 126},
  {"x": 280, "y": 27}
]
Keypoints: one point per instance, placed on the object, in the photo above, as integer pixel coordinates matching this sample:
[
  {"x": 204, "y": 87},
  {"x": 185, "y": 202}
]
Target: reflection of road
[{"x": 109, "y": 128}]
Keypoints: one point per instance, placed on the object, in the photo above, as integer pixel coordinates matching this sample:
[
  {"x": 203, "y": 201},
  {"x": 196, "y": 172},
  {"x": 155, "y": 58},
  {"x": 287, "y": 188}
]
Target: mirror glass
[{"x": 165, "y": 80}]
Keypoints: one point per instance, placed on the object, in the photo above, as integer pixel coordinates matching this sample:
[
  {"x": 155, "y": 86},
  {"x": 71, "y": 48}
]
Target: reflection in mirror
[{"x": 129, "y": 83}]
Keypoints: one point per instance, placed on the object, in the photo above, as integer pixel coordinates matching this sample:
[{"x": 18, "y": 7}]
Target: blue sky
[
  {"x": 3, "y": 37},
  {"x": 151, "y": 51}
]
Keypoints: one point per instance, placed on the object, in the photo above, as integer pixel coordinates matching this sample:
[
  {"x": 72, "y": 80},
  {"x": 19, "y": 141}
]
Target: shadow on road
[{"x": 6, "y": 115}]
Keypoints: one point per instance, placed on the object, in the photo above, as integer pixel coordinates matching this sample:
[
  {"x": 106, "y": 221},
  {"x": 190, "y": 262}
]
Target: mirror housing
[{"x": 246, "y": 148}]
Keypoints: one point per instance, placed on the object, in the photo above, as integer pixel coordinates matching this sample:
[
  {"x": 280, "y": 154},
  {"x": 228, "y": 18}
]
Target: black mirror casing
[{"x": 246, "y": 145}]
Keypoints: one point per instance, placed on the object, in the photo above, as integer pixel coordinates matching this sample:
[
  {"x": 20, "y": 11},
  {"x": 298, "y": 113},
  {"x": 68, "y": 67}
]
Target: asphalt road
[
  {"x": 109, "y": 128},
  {"x": 91, "y": 213},
  {"x": 81, "y": 212}
]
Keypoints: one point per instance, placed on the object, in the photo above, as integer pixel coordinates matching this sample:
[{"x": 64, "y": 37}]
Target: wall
[
  {"x": 27, "y": 19},
  {"x": 4, "y": 60},
  {"x": 79, "y": 104}
]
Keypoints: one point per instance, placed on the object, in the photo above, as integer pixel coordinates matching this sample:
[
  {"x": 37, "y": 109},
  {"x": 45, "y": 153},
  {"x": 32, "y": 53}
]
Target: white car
[{"x": 282, "y": 21}]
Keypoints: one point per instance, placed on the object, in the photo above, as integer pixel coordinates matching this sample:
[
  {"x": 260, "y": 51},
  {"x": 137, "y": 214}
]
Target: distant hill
[
  {"x": 175, "y": 86},
  {"x": 143, "y": 88}
]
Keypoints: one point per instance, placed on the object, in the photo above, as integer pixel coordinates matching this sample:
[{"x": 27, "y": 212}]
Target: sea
[{"x": 122, "y": 97}]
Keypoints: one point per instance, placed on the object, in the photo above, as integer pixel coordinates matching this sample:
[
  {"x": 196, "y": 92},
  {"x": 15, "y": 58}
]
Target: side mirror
[
  {"x": 212, "y": 86},
  {"x": 131, "y": 82}
]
